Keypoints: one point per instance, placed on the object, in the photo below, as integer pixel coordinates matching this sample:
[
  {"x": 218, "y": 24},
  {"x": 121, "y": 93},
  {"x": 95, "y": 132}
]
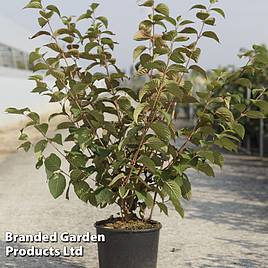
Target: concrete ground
[{"x": 226, "y": 223}]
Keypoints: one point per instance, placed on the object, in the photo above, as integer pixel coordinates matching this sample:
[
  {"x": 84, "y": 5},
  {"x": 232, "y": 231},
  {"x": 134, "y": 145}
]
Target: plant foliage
[{"x": 122, "y": 144}]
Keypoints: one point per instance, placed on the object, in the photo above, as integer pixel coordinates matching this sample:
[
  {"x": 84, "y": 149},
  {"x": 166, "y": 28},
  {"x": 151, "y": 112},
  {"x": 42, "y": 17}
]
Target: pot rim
[{"x": 98, "y": 225}]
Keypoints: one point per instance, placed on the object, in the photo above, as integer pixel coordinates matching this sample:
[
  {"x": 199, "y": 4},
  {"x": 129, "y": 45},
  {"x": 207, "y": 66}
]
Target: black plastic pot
[{"x": 128, "y": 249}]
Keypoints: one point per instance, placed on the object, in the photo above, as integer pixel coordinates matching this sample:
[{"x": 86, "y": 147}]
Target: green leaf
[
  {"x": 138, "y": 110},
  {"x": 54, "y": 47},
  {"x": 172, "y": 189},
  {"x": 177, "y": 57},
  {"x": 244, "y": 82},
  {"x": 162, "y": 9},
  {"x": 206, "y": 168},
  {"x": 57, "y": 139},
  {"x": 138, "y": 51},
  {"x": 65, "y": 125},
  {"x": 218, "y": 158},
  {"x": 40, "y": 66},
  {"x": 57, "y": 184},
  {"x": 178, "y": 207},
  {"x": 116, "y": 179},
  {"x": 210, "y": 21},
  {"x": 255, "y": 114},
  {"x": 186, "y": 188},
  {"x": 185, "y": 22},
  {"x": 25, "y": 146},
  {"x": 42, "y": 22},
  {"x": 161, "y": 130},
  {"x": 156, "y": 144},
  {"x": 162, "y": 207},
  {"x": 219, "y": 11},
  {"x": 57, "y": 74},
  {"x": 34, "y": 56},
  {"x": 189, "y": 30},
  {"x": 104, "y": 196},
  {"x": 199, "y": 70},
  {"x": 202, "y": 15},
  {"x": 123, "y": 192},
  {"x": 54, "y": 9},
  {"x": 239, "y": 129},
  {"x": 146, "y": 198},
  {"x": 42, "y": 128},
  {"x": 53, "y": 163},
  {"x": 263, "y": 105},
  {"x": 198, "y": 7},
  {"x": 174, "y": 89},
  {"x": 82, "y": 190},
  {"x": 141, "y": 36},
  {"x": 226, "y": 143},
  {"x": 34, "y": 116},
  {"x": 225, "y": 113},
  {"x": 147, "y": 162},
  {"x": 12, "y": 110},
  {"x": 212, "y": 35},
  {"x": 39, "y": 148},
  {"x": 148, "y": 3},
  {"x": 94, "y": 6},
  {"x": 34, "y": 4},
  {"x": 40, "y": 33},
  {"x": 104, "y": 20}
]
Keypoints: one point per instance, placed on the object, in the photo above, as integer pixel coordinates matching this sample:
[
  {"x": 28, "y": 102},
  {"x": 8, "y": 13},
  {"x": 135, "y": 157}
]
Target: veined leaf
[
  {"x": 162, "y": 207},
  {"x": 34, "y": 4},
  {"x": 219, "y": 11},
  {"x": 172, "y": 189},
  {"x": 206, "y": 168},
  {"x": 239, "y": 129},
  {"x": 148, "y": 163},
  {"x": 138, "y": 111},
  {"x": 54, "y": 47},
  {"x": 161, "y": 130},
  {"x": 104, "y": 20},
  {"x": 53, "y": 163},
  {"x": 199, "y": 70},
  {"x": 39, "y": 148},
  {"x": 54, "y": 9},
  {"x": 163, "y": 9},
  {"x": 116, "y": 179},
  {"x": 255, "y": 114},
  {"x": 156, "y": 144},
  {"x": 212, "y": 35},
  {"x": 82, "y": 190},
  {"x": 225, "y": 113},
  {"x": 57, "y": 184},
  {"x": 123, "y": 192},
  {"x": 146, "y": 198},
  {"x": 189, "y": 30},
  {"x": 147, "y": 3},
  {"x": 137, "y": 51},
  {"x": 198, "y": 7}
]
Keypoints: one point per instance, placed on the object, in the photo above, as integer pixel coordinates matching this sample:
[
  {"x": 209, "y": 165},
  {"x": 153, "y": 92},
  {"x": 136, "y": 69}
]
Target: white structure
[
  {"x": 15, "y": 88},
  {"x": 15, "y": 45}
]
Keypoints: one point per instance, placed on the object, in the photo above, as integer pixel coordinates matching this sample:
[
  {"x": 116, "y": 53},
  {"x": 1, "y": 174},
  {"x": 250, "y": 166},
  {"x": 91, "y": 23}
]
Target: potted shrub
[{"x": 121, "y": 146}]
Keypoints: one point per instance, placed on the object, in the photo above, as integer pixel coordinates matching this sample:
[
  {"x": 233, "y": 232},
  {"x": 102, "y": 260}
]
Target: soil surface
[
  {"x": 119, "y": 224},
  {"x": 226, "y": 222}
]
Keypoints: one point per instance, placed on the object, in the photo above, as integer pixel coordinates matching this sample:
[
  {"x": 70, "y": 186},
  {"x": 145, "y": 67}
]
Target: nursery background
[{"x": 226, "y": 221}]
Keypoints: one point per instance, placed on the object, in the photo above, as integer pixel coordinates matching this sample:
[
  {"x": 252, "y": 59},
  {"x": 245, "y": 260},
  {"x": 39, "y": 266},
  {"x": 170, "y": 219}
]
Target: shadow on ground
[
  {"x": 33, "y": 262},
  {"x": 229, "y": 262},
  {"x": 239, "y": 197}
]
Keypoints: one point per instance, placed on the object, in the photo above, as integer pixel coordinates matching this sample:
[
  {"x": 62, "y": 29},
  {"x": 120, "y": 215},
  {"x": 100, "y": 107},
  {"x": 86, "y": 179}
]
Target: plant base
[{"x": 128, "y": 248}]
